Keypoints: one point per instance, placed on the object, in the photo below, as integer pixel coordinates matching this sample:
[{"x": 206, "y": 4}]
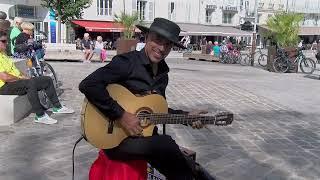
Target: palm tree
[
  {"x": 285, "y": 28},
  {"x": 129, "y": 22}
]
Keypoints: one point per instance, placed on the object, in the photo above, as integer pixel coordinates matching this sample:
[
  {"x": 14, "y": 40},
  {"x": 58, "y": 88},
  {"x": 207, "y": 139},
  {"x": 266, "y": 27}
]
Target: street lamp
[{"x": 254, "y": 38}]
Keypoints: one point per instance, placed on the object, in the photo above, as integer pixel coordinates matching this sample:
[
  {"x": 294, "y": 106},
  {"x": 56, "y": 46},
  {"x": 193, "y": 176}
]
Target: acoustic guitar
[{"x": 151, "y": 109}]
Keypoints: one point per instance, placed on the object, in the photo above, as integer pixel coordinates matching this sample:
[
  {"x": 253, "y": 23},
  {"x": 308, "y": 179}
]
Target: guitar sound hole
[
  {"x": 143, "y": 114},
  {"x": 144, "y": 117}
]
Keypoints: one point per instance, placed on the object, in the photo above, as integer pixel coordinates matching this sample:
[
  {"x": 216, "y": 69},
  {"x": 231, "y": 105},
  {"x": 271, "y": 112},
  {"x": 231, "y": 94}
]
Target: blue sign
[
  {"x": 53, "y": 34},
  {"x": 53, "y": 23}
]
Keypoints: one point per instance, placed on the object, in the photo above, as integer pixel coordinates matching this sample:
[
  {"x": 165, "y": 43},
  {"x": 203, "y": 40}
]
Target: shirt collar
[{"x": 162, "y": 66}]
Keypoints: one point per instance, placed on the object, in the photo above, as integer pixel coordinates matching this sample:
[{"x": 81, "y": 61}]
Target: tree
[
  {"x": 285, "y": 28},
  {"x": 66, "y": 10},
  {"x": 129, "y": 22}
]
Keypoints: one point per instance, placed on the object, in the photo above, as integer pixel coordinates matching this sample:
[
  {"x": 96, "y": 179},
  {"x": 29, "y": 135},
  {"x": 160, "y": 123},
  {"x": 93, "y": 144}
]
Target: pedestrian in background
[
  {"x": 216, "y": 49},
  {"x": 24, "y": 39},
  {"x": 78, "y": 43},
  {"x": 15, "y": 31},
  {"x": 209, "y": 47},
  {"x": 87, "y": 46},
  {"x": 99, "y": 48},
  {"x": 140, "y": 44}
]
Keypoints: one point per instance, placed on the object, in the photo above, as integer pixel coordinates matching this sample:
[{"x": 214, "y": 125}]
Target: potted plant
[
  {"x": 127, "y": 43},
  {"x": 284, "y": 31}
]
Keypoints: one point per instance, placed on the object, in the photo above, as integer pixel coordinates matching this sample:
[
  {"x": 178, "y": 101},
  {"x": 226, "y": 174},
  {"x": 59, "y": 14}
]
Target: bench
[
  {"x": 74, "y": 55},
  {"x": 61, "y": 47},
  {"x": 13, "y": 107},
  {"x": 195, "y": 56}
]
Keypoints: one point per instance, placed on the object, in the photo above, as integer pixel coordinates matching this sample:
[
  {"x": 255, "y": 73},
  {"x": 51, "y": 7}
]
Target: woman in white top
[{"x": 98, "y": 48}]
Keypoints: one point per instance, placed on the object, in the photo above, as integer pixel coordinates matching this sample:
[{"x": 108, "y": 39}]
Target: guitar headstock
[{"x": 223, "y": 118}]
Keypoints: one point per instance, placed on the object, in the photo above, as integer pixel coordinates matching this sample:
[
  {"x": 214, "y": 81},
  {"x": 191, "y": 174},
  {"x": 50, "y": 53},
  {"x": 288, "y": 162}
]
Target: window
[
  {"x": 151, "y": 11},
  {"x": 104, "y": 7},
  {"x": 172, "y": 11},
  {"x": 281, "y": 6},
  {"x": 246, "y": 5},
  {"x": 141, "y": 9},
  {"x": 260, "y": 5},
  {"x": 209, "y": 15},
  {"x": 26, "y": 11},
  {"x": 271, "y": 5},
  {"x": 227, "y": 18}
]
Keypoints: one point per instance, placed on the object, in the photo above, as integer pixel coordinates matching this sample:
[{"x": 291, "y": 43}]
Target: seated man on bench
[{"x": 13, "y": 82}]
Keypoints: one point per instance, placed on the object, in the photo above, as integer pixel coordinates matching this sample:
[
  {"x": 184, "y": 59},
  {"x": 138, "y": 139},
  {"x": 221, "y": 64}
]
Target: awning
[
  {"x": 99, "y": 26},
  {"x": 211, "y": 30},
  {"x": 304, "y": 31},
  {"x": 309, "y": 31}
]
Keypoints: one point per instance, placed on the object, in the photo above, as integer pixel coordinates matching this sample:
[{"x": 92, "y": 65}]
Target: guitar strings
[{"x": 175, "y": 118}]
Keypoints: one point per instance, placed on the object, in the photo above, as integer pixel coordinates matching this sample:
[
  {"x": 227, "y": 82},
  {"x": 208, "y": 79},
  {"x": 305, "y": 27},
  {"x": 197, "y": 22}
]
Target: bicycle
[
  {"x": 246, "y": 59},
  {"x": 230, "y": 57},
  {"x": 37, "y": 66},
  {"x": 188, "y": 49},
  {"x": 283, "y": 63}
]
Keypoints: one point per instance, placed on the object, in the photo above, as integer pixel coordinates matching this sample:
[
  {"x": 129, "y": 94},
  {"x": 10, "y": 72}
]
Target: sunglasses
[{"x": 4, "y": 41}]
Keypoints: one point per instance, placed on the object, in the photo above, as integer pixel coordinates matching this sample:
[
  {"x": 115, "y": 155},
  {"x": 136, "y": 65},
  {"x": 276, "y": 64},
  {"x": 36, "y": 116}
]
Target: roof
[
  {"x": 209, "y": 30},
  {"x": 304, "y": 31},
  {"x": 309, "y": 31}
]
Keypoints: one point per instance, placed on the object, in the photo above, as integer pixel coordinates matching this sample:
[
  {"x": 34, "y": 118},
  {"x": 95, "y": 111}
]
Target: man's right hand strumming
[{"x": 131, "y": 124}]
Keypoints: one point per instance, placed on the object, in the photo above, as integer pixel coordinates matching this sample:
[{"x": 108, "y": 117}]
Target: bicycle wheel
[
  {"x": 262, "y": 60},
  {"x": 49, "y": 71},
  {"x": 243, "y": 59},
  {"x": 281, "y": 65},
  {"x": 307, "y": 65}
]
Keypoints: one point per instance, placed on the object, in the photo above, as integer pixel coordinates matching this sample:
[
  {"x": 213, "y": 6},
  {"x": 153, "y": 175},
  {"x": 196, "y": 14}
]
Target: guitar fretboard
[{"x": 160, "y": 118}]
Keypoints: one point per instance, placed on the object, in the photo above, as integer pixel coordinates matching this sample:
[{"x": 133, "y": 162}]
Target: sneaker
[
  {"x": 62, "y": 110},
  {"x": 45, "y": 119}
]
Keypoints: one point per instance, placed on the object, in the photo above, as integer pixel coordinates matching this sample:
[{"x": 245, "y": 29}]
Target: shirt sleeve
[{"x": 94, "y": 86}]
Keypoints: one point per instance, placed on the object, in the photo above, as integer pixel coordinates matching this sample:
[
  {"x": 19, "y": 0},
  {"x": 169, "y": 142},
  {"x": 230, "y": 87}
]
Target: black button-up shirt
[{"x": 133, "y": 70}]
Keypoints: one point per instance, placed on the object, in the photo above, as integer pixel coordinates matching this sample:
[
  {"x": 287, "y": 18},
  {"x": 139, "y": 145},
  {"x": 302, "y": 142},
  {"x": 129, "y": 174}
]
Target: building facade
[
  {"x": 32, "y": 11},
  {"x": 212, "y": 12},
  {"x": 205, "y": 13}
]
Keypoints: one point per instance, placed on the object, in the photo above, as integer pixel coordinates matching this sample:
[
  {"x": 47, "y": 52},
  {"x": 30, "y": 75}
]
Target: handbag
[{"x": 103, "y": 55}]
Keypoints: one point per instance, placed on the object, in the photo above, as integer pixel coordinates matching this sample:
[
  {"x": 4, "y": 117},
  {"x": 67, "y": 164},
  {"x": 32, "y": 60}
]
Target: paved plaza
[{"x": 275, "y": 134}]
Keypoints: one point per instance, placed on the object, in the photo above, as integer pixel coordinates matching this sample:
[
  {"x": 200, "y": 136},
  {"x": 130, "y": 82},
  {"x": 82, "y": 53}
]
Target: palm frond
[
  {"x": 285, "y": 28},
  {"x": 129, "y": 22}
]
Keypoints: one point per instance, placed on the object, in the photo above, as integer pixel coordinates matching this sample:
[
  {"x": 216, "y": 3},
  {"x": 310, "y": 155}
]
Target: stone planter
[
  {"x": 272, "y": 53},
  {"x": 126, "y": 45}
]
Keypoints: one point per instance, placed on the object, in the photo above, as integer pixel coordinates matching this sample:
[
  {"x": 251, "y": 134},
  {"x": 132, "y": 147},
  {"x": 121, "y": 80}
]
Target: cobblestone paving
[{"x": 275, "y": 134}]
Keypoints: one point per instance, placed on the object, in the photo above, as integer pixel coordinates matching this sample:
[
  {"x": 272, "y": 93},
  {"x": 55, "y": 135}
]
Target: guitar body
[{"x": 95, "y": 125}]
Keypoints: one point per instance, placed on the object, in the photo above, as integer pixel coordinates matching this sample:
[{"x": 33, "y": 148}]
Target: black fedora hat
[{"x": 165, "y": 28}]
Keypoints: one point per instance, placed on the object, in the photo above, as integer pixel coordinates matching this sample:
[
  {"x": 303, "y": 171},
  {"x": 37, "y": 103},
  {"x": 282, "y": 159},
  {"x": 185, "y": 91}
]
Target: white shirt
[
  {"x": 140, "y": 46},
  {"x": 98, "y": 45}
]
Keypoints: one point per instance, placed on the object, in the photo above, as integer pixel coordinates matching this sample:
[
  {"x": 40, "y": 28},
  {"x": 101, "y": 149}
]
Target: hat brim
[{"x": 146, "y": 30}]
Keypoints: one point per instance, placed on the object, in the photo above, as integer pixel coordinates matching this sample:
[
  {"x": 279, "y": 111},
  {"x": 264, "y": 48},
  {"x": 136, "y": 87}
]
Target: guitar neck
[{"x": 159, "y": 118}]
